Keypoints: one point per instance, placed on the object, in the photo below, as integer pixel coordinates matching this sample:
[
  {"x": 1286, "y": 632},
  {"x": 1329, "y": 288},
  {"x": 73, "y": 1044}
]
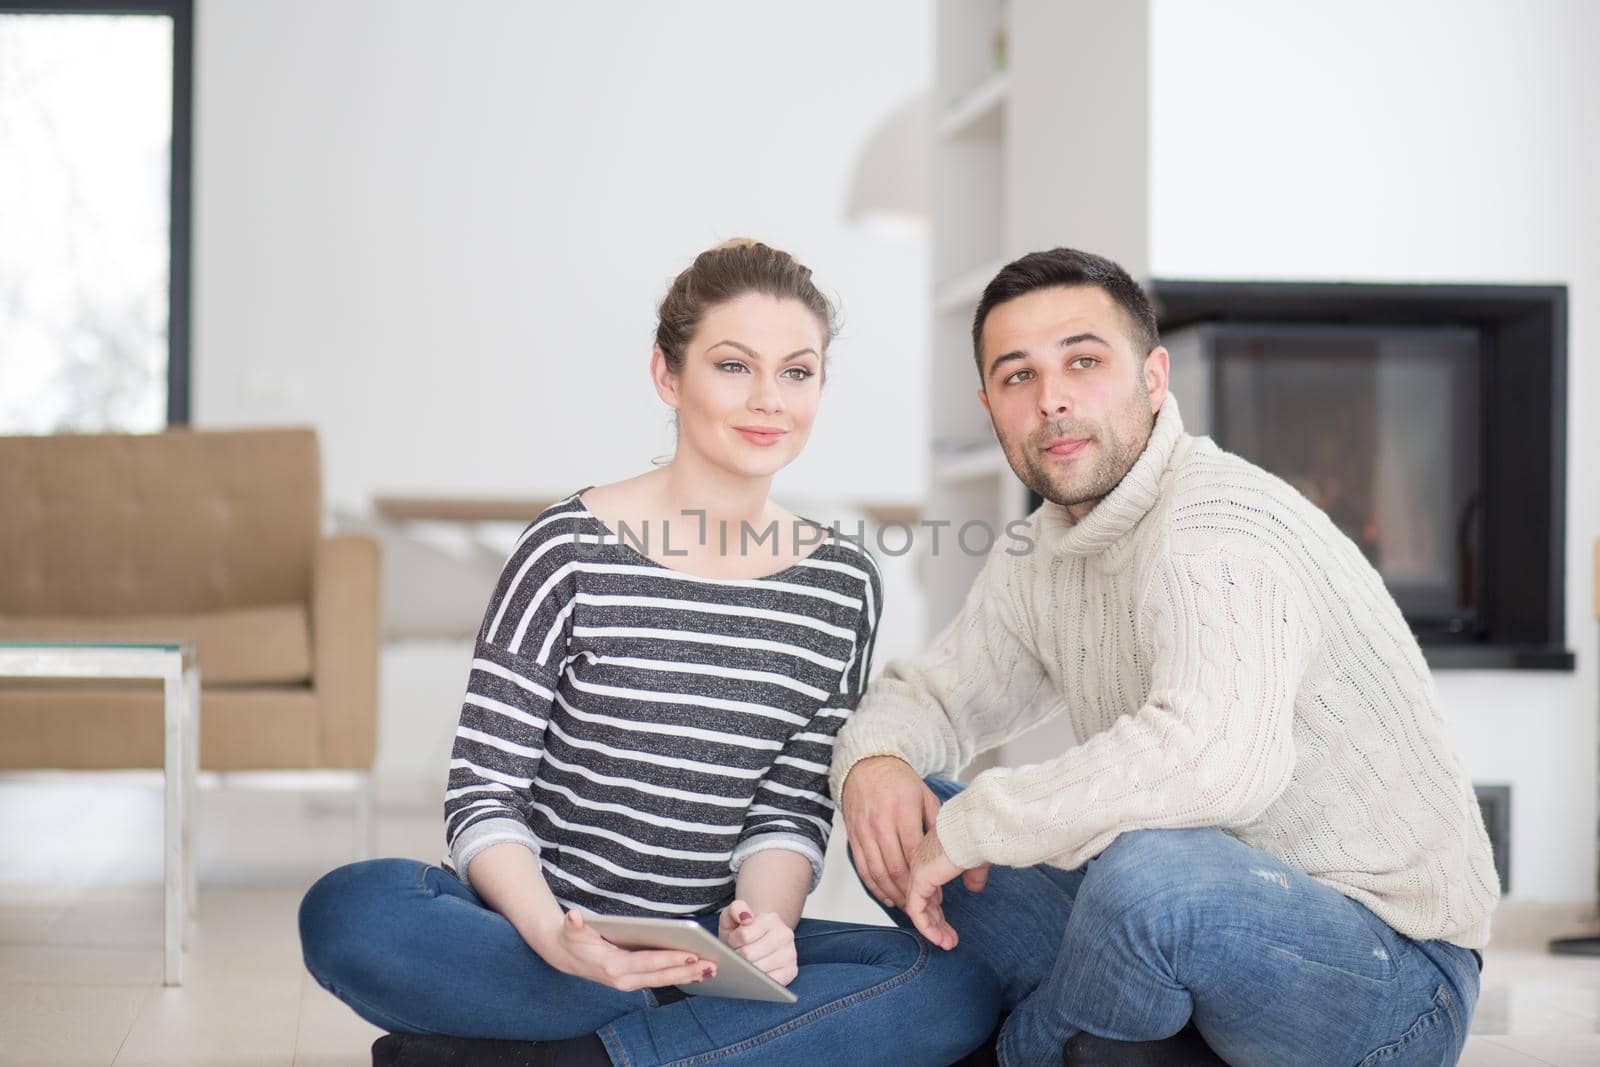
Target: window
[{"x": 94, "y": 216}]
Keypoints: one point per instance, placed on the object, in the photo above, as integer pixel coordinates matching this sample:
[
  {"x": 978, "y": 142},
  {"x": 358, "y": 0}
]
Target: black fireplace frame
[{"x": 1523, "y": 437}]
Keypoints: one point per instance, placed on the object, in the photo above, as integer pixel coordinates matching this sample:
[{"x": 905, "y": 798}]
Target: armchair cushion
[
  {"x": 241, "y": 646},
  {"x": 73, "y": 725}
]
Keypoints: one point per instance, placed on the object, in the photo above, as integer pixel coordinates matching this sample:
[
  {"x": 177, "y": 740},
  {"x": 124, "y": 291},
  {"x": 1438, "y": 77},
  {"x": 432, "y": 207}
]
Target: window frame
[{"x": 179, "y": 379}]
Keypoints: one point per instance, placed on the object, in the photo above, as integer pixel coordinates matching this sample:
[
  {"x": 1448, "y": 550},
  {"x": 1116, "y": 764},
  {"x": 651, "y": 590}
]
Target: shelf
[
  {"x": 969, "y": 465},
  {"x": 961, "y": 293},
  {"x": 977, "y": 110}
]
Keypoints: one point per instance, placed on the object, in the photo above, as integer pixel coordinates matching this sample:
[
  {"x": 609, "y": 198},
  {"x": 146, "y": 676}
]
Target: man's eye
[
  {"x": 1017, "y": 377},
  {"x": 1085, "y": 361}
]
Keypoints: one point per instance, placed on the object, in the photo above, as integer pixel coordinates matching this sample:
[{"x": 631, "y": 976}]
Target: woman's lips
[{"x": 760, "y": 436}]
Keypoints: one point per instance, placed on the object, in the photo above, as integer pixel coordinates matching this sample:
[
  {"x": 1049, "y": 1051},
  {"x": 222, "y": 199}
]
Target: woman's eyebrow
[{"x": 753, "y": 354}]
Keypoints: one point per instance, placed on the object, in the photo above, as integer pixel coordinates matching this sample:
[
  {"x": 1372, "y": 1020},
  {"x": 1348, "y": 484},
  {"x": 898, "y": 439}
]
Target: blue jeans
[
  {"x": 413, "y": 950},
  {"x": 1167, "y": 925}
]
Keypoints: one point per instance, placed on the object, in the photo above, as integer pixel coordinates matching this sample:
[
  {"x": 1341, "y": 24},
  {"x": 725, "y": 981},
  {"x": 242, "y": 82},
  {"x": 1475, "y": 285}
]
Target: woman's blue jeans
[
  {"x": 1167, "y": 925},
  {"x": 413, "y": 950}
]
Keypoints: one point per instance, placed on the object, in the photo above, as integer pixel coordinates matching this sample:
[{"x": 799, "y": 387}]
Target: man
[{"x": 1262, "y": 826}]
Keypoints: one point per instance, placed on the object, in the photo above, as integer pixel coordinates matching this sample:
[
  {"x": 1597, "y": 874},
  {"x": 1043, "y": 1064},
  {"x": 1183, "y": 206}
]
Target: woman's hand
[
  {"x": 575, "y": 948},
  {"x": 765, "y": 940}
]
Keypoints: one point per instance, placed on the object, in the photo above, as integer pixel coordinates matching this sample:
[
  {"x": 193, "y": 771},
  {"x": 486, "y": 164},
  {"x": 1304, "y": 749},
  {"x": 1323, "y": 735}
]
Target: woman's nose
[{"x": 765, "y": 397}]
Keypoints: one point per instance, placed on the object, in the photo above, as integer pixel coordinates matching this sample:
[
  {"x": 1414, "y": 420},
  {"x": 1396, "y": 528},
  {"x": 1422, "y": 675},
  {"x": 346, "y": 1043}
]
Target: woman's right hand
[{"x": 575, "y": 948}]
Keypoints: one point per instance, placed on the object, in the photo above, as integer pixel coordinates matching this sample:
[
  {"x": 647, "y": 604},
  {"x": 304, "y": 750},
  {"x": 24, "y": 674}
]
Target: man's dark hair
[{"x": 1067, "y": 267}]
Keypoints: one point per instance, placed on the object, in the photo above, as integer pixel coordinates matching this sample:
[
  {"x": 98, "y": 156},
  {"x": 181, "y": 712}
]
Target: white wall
[
  {"x": 439, "y": 233},
  {"x": 1409, "y": 140}
]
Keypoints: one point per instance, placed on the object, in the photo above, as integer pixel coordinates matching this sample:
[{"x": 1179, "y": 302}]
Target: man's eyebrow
[
  {"x": 1009, "y": 357},
  {"x": 1077, "y": 338},
  {"x": 755, "y": 355}
]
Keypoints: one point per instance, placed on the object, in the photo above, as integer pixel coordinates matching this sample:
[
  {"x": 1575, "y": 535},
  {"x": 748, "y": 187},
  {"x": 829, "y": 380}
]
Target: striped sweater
[{"x": 644, "y": 731}]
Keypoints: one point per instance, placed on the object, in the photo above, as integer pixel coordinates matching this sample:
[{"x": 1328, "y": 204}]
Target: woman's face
[{"x": 751, "y": 380}]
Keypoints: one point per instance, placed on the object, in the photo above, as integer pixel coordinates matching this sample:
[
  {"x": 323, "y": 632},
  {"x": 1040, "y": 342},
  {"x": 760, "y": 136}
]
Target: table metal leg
[
  {"x": 191, "y": 813},
  {"x": 175, "y": 910}
]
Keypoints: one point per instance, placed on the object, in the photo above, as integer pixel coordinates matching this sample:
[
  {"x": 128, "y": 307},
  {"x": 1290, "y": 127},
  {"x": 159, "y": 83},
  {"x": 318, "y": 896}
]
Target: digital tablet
[{"x": 736, "y": 976}]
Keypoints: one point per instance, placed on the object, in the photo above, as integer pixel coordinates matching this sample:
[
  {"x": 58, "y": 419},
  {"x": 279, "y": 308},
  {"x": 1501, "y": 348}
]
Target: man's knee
[{"x": 1159, "y": 872}]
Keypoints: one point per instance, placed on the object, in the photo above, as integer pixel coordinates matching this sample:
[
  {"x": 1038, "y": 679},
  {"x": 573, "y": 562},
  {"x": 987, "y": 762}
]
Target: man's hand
[
  {"x": 765, "y": 940},
  {"x": 930, "y": 870},
  {"x": 886, "y": 809}
]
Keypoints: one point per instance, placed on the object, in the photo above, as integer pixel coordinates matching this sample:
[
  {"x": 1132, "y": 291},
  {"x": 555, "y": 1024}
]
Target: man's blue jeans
[
  {"x": 1274, "y": 967},
  {"x": 413, "y": 950}
]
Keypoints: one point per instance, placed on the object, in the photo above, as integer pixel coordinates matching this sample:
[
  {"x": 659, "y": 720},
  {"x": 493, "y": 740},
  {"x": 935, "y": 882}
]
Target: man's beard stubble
[{"x": 1115, "y": 454}]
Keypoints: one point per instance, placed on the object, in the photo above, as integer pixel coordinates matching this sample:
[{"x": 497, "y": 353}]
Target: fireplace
[
  {"x": 1428, "y": 421},
  {"x": 1377, "y": 426}
]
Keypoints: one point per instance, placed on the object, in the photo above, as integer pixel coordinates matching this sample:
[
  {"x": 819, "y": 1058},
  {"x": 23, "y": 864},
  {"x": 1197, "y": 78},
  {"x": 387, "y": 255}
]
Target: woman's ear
[{"x": 666, "y": 382}]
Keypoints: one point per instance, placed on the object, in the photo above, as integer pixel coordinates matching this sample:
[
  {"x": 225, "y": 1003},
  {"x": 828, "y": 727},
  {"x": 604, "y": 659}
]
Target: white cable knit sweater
[{"x": 1227, "y": 658}]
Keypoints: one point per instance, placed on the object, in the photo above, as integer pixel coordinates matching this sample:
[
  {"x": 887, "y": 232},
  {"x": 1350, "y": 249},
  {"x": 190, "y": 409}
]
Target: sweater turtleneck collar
[{"x": 1121, "y": 509}]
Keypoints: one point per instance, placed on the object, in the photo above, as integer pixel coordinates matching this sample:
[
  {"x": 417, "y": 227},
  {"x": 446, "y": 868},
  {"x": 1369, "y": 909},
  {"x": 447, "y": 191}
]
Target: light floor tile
[
  {"x": 48, "y": 1024},
  {"x": 212, "y": 1024},
  {"x": 26, "y": 925},
  {"x": 78, "y": 965},
  {"x": 330, "y": 1033},
  {"x": 1569, "y": 1051}
]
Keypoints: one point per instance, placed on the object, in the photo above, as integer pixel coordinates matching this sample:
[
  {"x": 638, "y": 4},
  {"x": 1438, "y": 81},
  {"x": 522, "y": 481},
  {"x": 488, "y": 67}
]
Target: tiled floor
[{"x": 80, "y": 937}]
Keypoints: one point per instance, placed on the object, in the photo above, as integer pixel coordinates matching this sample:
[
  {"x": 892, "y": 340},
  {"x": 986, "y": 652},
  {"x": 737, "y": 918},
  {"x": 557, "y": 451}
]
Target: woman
[{"x": 647, "y": 730}]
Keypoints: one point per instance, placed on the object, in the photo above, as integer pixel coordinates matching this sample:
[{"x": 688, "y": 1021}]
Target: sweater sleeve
[
  {"x": 516, "y": 664},
  {"x": 1211, "y": 746},
  {"x": 979, "y": 685},
  {"x": 794, "y": 802}
]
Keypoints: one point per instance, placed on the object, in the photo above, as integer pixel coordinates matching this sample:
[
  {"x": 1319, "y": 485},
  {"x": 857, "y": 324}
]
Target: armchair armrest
[{"x": 344, "y": 643}]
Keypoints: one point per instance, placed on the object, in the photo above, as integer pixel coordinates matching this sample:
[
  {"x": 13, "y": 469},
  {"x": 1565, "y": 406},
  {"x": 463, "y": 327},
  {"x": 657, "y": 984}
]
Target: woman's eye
[
  {"x": 798, "y": 374},
  {"x": 732, "y": 365}
]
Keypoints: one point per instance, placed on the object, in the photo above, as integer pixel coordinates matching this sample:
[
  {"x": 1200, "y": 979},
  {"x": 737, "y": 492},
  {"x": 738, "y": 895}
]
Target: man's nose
[{"x": 1055, "y": 396}]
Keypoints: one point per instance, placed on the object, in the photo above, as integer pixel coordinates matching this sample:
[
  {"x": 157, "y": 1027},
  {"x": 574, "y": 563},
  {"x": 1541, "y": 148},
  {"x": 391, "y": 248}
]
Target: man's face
[{"x": 1071, "y": 397}]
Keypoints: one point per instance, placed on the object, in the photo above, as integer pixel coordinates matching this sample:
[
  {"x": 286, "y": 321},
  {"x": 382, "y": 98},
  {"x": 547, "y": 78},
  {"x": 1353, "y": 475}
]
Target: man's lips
[
  {"x": 1066, "y": 447},
  {"x": 760, "y": 435}
]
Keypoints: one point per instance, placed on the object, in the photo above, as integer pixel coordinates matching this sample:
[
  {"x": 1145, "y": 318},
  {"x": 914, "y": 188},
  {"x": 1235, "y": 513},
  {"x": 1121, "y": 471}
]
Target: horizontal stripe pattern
[{"x": 642, "y": 730}]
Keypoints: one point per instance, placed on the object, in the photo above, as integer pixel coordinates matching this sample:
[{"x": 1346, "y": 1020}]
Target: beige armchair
[{"x": 212, "y": 536}]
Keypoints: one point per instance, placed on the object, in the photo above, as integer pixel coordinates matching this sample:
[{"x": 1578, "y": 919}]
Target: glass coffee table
[{"x": 173, "y": 665}]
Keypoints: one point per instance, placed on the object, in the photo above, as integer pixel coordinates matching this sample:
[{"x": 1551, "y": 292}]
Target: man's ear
[
  {"x": 661, "y": 375},
  {"x": 983, "y": 391},
  {"x": 1157, "y": 365}
]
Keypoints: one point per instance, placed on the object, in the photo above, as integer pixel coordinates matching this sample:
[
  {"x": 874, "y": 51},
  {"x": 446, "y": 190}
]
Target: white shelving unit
[
  {"x": 1040, "y": 140},
  {"x": 970, "y": 477},
  {"x": 978, "y": 110}
]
